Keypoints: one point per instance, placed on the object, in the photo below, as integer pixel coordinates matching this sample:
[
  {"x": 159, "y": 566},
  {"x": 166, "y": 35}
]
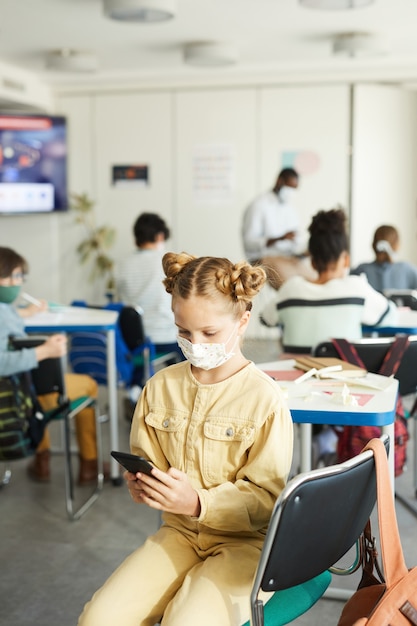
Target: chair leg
[{"x": 75, "y": 514}]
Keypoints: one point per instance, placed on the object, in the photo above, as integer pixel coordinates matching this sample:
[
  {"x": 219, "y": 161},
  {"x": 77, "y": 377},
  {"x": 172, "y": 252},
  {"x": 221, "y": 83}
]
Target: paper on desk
[{"x": 370, "y": 381}]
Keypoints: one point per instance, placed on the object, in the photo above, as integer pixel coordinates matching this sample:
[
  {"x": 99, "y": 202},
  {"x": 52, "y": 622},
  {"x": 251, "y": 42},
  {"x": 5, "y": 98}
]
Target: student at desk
[
  {"x": 13, "y": 268},
  {"x": 335, "y": 304},
  {"x": 386, "y": 271}
]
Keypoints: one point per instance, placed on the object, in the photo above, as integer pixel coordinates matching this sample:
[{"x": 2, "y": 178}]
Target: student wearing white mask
[
  {"x": 270, "y": 223},
  {"x": 220, "y": 435},
  {"x": 386, "y": 271}
]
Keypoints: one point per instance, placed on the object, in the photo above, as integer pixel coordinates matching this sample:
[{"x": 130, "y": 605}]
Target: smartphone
[{"x": 133, "y": 463}]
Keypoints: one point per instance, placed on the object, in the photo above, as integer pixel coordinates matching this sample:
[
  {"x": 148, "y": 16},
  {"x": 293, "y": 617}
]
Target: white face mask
[
  {"x": 287, "y": 194},
  {"x": 206, "y": 356}
]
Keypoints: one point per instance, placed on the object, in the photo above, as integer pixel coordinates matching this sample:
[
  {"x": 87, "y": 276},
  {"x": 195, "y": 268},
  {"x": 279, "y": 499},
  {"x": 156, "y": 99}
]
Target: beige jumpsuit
[{"x": 234, "y": 439}]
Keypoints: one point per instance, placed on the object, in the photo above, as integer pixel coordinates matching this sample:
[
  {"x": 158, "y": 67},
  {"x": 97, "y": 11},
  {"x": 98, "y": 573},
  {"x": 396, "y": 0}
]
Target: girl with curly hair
[
  {"x": 220, "y": 436},
  {"x": 332, "y": 305}
]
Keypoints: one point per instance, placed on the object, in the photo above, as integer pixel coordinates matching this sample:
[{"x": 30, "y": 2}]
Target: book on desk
[{"x": 348, "y": 370}]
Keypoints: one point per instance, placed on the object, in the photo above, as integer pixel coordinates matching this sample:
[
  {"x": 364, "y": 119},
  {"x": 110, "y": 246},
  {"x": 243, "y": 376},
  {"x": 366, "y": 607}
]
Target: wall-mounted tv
[{"x": 33, "y": 164}]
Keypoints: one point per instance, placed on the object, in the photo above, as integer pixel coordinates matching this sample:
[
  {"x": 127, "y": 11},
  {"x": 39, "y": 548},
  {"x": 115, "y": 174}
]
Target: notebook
[{"x": 348, "y": 370}]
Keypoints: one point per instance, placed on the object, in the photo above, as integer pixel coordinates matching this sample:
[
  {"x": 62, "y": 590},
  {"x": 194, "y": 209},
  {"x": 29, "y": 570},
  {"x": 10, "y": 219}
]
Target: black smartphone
[{"x": 133, "y": 463}]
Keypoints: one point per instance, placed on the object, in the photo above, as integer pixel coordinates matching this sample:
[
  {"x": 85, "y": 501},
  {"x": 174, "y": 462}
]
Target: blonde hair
[{"x": 209, "y": 277}]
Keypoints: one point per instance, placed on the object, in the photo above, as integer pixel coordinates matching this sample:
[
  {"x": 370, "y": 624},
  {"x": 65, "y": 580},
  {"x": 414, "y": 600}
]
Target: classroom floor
[{"x": 51, "y": 566}]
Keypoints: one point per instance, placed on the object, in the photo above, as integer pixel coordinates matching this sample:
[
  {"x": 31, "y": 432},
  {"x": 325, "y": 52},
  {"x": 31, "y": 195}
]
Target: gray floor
[{"x": 51, "y": 566}]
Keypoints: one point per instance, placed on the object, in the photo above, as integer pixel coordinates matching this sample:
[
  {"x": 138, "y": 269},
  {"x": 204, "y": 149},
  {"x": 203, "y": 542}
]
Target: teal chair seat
[{"x": 286, "y": 605}]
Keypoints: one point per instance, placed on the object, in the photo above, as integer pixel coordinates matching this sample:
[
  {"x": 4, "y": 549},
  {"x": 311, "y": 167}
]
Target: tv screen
[{"x": 33, "y": 164}]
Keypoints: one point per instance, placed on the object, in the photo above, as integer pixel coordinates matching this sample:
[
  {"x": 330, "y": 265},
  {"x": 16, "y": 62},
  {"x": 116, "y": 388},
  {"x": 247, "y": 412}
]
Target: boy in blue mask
[{"x": 13, "y": 269}]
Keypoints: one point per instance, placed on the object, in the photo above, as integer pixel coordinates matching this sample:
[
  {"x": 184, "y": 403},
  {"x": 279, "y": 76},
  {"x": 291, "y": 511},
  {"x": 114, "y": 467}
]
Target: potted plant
[{"x": 98, "y": 241}]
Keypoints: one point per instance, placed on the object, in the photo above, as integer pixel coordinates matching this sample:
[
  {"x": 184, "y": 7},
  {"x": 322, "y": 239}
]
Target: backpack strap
[
  {"x": 347, "y": 352},
  {"x": 391, "y": 550},
  {"x": 392, "y": 359}
]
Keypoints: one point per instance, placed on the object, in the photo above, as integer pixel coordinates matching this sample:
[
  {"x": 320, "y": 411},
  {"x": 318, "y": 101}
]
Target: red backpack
[{"x": 351, "y": 439}]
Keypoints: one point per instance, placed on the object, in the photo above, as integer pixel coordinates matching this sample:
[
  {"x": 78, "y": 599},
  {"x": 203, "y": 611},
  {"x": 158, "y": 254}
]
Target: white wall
[
  {"x": 384, "y": 185},
  {"x": 135, "y": 129},
  {"x": 314, "y": 125},
  {"x": 219, "y": 125},
  {"x": 173, "y": 130}
]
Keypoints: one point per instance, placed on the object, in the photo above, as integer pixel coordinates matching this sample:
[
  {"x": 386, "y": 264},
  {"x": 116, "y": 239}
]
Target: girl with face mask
[
  {"x": 220, "y": 436},
  {"x": 13, "y": 268}
]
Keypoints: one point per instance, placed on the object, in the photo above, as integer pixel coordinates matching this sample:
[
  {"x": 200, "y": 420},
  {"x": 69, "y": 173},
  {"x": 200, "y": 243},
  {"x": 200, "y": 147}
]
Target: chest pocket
[
  {"x": 225, "y": 447},
  {"x": 169, "y": 429}
]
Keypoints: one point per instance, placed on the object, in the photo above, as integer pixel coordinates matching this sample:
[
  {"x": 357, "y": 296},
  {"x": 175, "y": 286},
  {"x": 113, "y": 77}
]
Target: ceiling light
[
  {"x": 210, "y": 54},
  {"x": 330, "y": 5},
  {"x": 67, "y": 60},
  {"x": 140, "y": 10},
  {"x": 359, "y": 45}
]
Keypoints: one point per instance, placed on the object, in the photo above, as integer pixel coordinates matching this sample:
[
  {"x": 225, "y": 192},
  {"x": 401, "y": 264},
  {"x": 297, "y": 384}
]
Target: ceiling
[{"x": 273, "y": 37}]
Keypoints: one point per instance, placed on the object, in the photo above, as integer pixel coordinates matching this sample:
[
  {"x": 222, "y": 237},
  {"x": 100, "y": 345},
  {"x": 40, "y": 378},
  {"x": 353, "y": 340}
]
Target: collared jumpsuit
[{"x": 234, "y": 439}]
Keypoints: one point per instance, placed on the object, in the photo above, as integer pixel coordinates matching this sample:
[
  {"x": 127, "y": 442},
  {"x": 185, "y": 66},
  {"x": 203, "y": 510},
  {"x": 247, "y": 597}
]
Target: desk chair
[
  {"x": 403, "y": 297},
  {"x": 318, "y": 517},
  {"x": 372, "y": 352},
  {"x": 49, "y": 377},
  {"x": 144, "y": 351},
  {"x": 136, "y": 354}
]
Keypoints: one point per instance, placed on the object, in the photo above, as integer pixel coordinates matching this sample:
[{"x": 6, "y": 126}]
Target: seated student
[
  {"x": 220, "y": 436},
  {"x": 386, "y": 272},
  {"x": 139, "y": 282},
  {"x": 335, "y": 304},
  {"x": 13, "y": 268}
]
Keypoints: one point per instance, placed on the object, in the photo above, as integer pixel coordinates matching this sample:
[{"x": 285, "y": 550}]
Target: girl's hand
[{"x": 166, "y": 491}]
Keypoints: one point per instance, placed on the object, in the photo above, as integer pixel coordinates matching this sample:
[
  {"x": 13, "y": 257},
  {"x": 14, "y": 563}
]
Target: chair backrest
[
  {"x": 403, "y": 297},
  {"x": 316, "y": 520},
  {"x": 131, "y": 327},
  {"x": 88, "y": 359},
  {"x": 88, "y": 351},
  {"x": 48, "y": 376},
  {"x": 372, "y": 352}
]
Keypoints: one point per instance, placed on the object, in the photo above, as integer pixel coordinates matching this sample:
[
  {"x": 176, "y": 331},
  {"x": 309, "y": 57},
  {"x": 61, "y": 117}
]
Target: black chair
[
  {"x": 144, "y": 352},
  {"x": 49, "y": 377},
  {"x": 372, "y": 352},
  {"x": 403, "y": 297},
  {"x": 319, "y": 516}
]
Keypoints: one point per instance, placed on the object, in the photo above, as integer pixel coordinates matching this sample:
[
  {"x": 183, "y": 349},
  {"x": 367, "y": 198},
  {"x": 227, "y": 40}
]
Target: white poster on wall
[{"x": 213, "y": 174}]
